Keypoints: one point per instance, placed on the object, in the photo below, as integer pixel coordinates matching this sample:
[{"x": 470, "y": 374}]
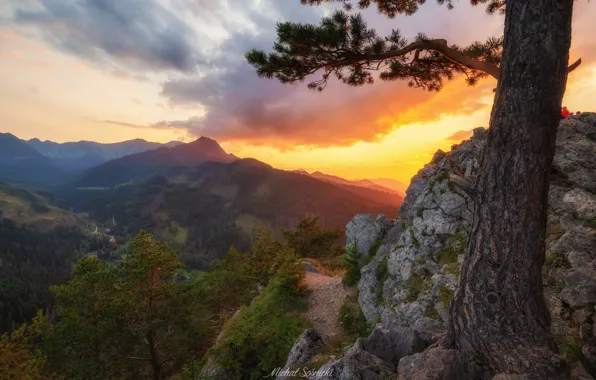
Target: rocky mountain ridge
[{"x": 407, "y": 286}]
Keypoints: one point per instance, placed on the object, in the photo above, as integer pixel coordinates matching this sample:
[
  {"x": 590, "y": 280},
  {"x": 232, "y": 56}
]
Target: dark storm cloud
[{"x": 138, "y": 33}]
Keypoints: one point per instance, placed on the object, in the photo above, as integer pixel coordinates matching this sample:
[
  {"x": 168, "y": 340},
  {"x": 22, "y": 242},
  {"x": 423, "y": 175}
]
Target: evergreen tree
[
  {"x": 20, "y": 359},
  {"x": 154, "y": 310},
  {"x": 309, "y": 239},
  {"x": 499, "y": 312},
  {"x": 84, "y": 343}
]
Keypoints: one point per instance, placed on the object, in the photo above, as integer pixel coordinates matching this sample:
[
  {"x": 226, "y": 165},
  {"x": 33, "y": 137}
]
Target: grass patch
[
  {"x": 382, "y": 271},
  {"x": 556, "y": 260},
  {"x": 570, "y": 346},
  {"x": 445, "y": 296},
  {"x": 555, "y": 231},
  {"x": 352, "y": 319},
  {"x": 432, "y": 313},
  {"x": 379, "y": 295},
  {"x": 443, "y": 176},
  {"x": 449, "y": 254},
  {"x": 414, "y": 240},
  {"x": 591, "y": 223},
  {"x": 374, "y": 248},
  {"x": 417, "y": 285},
  {"x": 420, "y": 261}
]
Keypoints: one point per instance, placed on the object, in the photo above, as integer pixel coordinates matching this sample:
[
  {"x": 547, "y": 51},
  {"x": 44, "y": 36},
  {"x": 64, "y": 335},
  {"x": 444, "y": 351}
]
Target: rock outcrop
[
  {"x": 366, "y": 233},
  {"x": 308, "y": 345},
  {"x": 410, "y": 280}
]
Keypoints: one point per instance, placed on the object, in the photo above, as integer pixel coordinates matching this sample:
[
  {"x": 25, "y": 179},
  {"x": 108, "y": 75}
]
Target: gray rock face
[
  {"x": 439, "y": 364},
  {"x": 411, "y": 281},
  {"x": 375, "y": 356},
  {"x": 392, "y": 345},
  {"x": 365, "y": 231},
  {"x": 356, "y": 363},
  {"x": 309, "y": 344}
]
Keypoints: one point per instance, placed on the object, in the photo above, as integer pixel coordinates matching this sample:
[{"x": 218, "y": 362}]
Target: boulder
[
  {"x": 364, "y": 231},
  {"x": 356, "y": 363},
  {"x": 393, "y": 344},
  {"x": 308, "y": 345},
  {"x": 439, "y": 364}
]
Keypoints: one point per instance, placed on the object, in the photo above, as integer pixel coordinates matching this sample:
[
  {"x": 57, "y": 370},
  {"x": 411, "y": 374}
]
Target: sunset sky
[{"x": 161, "y": 70}]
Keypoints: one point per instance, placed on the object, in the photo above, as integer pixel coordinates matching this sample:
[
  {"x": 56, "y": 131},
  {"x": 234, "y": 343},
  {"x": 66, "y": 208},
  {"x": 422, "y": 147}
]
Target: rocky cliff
[{"x": 406, "y": 288}]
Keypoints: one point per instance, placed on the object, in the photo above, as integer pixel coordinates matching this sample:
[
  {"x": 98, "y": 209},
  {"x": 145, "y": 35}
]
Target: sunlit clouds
[{"x": 108, "y": 70}]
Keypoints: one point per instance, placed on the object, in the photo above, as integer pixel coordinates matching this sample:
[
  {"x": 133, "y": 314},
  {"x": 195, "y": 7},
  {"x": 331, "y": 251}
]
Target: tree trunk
[
  {"x": 499, "y": 312},
  {"x": 154, "y": 355}
]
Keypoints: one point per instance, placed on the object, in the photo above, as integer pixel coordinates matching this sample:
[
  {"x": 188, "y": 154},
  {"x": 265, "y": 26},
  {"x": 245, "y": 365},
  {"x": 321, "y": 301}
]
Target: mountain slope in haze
[
  {"x": 391, "y": 184},
  {"x": 206, "y": 209},
  {"x": 22, "y": 164},
  {"x": 141, "y": 166},
  {"x": 78, "y": 156},
  {"x": 380, "y": 184}
]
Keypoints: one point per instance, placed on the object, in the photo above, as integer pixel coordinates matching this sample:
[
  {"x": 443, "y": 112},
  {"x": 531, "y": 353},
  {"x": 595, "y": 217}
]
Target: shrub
[
  {"x": 352, "y": 319},
  {"x": 414, "y": 240},
  {"x": 570, "y": 347},
  {"x": 352, "y": 264},
  {"x": 382, "y": 271},
  {"x": 417, "y": 285},
  {"x": 262, "y": 334},
  {"x": 432, "y": 313},
  {"x": 445, "y": 296}
]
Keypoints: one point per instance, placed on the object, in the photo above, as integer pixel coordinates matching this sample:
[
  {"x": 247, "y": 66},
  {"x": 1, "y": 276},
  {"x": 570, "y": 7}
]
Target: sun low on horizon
[{"x": 107, "y": 72}]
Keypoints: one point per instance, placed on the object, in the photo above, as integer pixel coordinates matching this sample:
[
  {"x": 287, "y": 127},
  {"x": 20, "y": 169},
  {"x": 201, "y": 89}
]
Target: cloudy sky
[{"x": 111, "y": 70}]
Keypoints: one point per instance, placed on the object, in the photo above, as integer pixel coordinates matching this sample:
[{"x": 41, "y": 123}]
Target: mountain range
[
  {"x": 380, "y": 184},
  {"x": 195, "y": 196},
  {"x": 78, "y": 156}
]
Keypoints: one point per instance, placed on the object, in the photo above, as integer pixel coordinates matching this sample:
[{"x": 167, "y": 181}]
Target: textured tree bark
[{"x": 499, "y": 312}]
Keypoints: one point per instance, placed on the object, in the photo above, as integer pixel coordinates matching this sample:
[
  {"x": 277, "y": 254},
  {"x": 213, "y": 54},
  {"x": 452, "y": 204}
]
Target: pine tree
[
  {"x": 82, "y": 344},
  {"x": 499, "y": 313},
  {"x": 309, "y": 239},
  {"x": 154, "y": 308}
]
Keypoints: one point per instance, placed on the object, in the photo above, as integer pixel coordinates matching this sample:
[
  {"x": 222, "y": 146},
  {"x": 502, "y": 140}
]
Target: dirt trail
[{"x": 326, "y": 297}]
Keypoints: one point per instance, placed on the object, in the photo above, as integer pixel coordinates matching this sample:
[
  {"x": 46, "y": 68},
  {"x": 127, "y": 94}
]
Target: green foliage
[
  {"x": 570, "y": 346},
  {"x": 415, "y": 241},
  {"x": 262, "y": 334},
  {"x": 352, "y": 319},
  {"x": 420, "y": 261},
  {"x": 432, "y": 313},
  {"x": 343, "y": 46},
  {"x": 556, "y": 260},
  {"x": 445, "y": 296},
  {"x": 416, "y": 285},
  {"x": 379, "y": 296},
  {"x": 309, "y": 239},
  {"x": 443, "y": 176},
  {"x": 352, "y": 264},
  {"x": 32, "y": 261},
  {"x": 374, "y": 247},
  {"x": 382, "y": 271},
  {"x": 591, "y": 223},
  {"x": 448, "y": 255},
  {"x": 19, "y": 358},
  {"x": 115, "y": 319},
  {"x": 555, "y": 231}
]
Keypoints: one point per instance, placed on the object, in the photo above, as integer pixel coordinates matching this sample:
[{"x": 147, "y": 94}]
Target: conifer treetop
[{"x": 343, "y": 46}]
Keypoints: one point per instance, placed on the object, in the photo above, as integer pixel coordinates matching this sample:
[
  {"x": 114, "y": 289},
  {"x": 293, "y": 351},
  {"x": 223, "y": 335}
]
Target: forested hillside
[{"x": 202, "y": 211}]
